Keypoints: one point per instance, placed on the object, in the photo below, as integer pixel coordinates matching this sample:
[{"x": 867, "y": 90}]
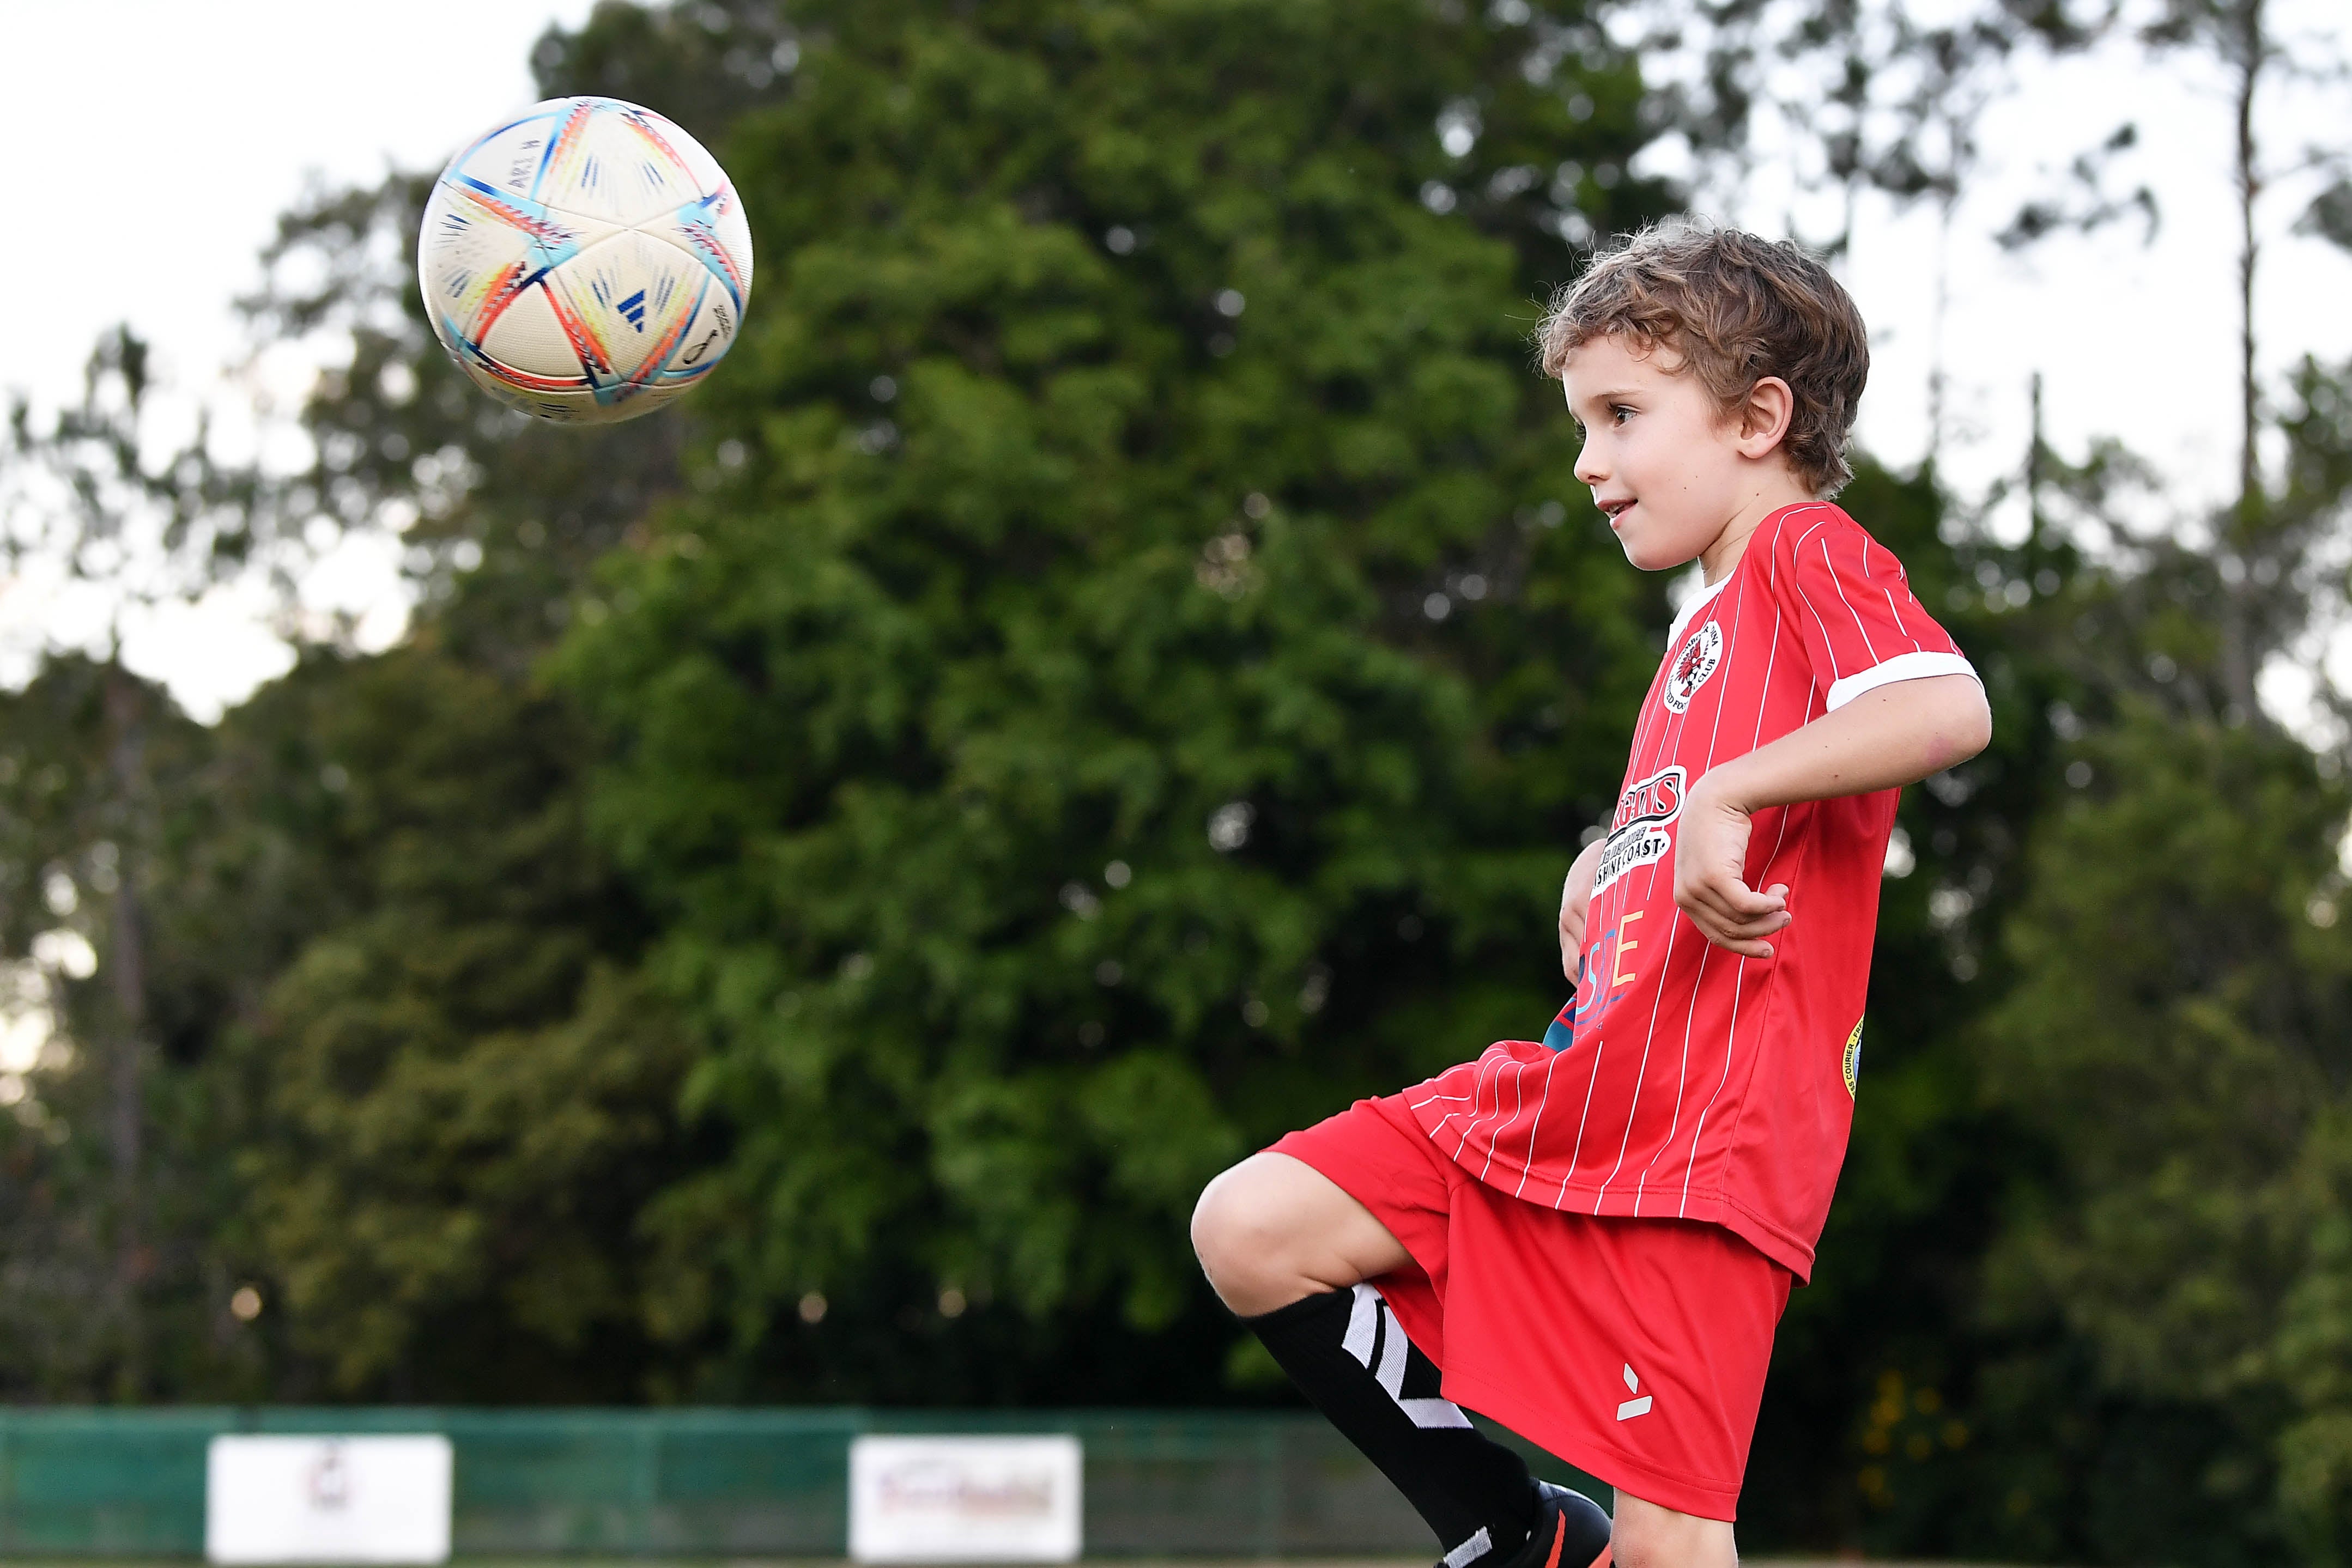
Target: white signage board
[
  {"x": 328, "y": 1500},
  {"x": 964, "y": 1499}
]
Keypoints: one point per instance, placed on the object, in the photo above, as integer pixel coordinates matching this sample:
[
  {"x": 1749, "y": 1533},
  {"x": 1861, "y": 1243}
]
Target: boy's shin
[{"x": 1347, "y": 1352}]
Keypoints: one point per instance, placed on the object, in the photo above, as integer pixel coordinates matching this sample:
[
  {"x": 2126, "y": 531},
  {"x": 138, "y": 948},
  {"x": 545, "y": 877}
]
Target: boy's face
[{"x": 1667, "y": 468}]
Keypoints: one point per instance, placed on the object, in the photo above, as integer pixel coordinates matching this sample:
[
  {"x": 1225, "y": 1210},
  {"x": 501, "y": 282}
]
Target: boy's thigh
[
  {"x": 1376, "y": 1154},
  {"x": 1636, "y": 1349},
  {"x": 1273, "y": 1213}
]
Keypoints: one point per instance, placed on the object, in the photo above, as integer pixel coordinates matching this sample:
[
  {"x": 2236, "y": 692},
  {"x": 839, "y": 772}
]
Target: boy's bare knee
[
  {"x": 1246, "y": 1237},
  {"x": 1272, "y": 1231},
  {"x": 1212, "y": 1223},
  {"x": 1231, "y": 1234}
]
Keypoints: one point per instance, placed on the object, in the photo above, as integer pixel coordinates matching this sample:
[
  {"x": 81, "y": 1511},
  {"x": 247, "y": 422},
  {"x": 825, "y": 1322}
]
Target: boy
[{"x": 1592, "y": 1240}]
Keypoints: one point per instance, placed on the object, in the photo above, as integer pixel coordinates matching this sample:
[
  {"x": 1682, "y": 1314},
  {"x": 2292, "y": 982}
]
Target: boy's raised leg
[{"x": 1289, "y": 1251}]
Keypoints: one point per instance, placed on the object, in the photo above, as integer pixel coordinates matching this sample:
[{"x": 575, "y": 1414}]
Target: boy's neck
[{"x": 1773, "y": 492}]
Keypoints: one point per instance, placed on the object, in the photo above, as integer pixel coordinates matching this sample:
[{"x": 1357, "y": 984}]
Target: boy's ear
[{"x": 1764, "y": 417}]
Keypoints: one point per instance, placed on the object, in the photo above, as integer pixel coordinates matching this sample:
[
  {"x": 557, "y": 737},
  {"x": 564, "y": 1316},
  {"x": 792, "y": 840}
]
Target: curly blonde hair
[{"x": 1732, "y": 308}]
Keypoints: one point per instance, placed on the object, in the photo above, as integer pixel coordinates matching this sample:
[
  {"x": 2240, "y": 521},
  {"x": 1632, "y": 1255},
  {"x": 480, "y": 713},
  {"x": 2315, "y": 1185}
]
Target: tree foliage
[
  {"x": 1112, "y": 669},
  {"x": 1126, "y": 640}
]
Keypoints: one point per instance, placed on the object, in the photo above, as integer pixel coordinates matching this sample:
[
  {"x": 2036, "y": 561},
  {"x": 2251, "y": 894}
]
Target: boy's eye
[{"x": 1619, "y": 413}]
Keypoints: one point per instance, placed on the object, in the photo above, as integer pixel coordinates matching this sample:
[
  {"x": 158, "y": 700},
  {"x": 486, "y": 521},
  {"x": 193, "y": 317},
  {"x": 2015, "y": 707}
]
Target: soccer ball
[{"x": 585, "y": 262}]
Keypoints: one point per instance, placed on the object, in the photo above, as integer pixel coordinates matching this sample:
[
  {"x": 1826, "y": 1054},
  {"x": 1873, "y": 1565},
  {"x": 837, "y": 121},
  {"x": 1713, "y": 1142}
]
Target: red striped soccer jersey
[{"x": 1695, "y": 1084}]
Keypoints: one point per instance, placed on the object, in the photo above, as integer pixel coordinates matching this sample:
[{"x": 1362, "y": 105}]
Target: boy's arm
[
  {"x": 1575, "y": 898},
  {"x": 1892, "y": 735}
]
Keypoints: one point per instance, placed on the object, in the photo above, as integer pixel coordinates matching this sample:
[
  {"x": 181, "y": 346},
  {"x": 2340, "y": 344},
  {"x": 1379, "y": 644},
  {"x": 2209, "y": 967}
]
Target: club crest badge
[
  {"x": 1853, "y": 1058},
  {"x": 1702, "y": 651}
]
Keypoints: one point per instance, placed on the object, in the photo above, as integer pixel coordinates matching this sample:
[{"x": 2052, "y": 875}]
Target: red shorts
[{"x": 1634, "y": 1348}]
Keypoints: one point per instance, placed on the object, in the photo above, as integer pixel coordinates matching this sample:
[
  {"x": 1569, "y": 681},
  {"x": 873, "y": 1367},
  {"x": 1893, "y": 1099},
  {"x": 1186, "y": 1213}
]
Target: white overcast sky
[
  {"x": 209, "y": 116},
  {"x": 215, "y": 114}
]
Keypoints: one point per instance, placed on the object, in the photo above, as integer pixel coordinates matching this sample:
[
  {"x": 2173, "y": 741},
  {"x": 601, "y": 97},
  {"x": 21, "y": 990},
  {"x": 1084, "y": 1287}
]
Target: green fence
[{"x": 708, "y": 1482}]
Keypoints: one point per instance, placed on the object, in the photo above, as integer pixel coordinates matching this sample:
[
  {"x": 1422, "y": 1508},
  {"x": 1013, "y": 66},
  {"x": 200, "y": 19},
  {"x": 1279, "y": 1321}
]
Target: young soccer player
[{"x": 1591, "y": 1239}]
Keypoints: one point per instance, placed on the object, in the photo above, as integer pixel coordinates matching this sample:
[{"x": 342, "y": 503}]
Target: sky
[
  {"x": 222, "y": 112},
  {"x": 2134, "y": 338},
  {"x": 217, "y": 115}
]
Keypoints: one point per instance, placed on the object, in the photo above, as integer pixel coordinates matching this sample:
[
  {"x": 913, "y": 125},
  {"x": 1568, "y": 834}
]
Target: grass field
[
  {"x": 1421, "y": 1561},
  {"x": 1399, "y": 1562},
  {"x": 1406, "y": 1561}
]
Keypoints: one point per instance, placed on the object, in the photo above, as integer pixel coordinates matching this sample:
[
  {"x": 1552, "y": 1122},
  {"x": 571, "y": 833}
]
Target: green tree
[
  {"x": 113, "y": 1281},
  {"x": 1128, "y": 676},
  {"x": 2180, "y": 979},
  {"x": 454, "y": 1091},
  {"x": 459, "y": 1091},
  {"x": 90, "y": 499},
  {"x": 2181, "y": 972}
]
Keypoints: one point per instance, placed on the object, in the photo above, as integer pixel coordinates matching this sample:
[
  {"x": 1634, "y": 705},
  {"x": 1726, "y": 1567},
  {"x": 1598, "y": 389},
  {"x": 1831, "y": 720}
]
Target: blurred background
[{"x": 785, "y": 902}]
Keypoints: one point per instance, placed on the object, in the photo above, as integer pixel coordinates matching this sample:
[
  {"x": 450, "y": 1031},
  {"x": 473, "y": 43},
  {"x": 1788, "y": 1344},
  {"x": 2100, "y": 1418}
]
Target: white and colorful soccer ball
[{"x": 586, "y": 261}]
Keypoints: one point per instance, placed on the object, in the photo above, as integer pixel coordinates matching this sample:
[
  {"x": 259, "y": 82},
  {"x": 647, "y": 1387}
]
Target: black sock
[{"x": 1345, "y": 1350}]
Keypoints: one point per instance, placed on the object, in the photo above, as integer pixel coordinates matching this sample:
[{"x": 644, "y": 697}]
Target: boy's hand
[
  {"x": 1710, "y": 857},
  {"x": 1575, "y": 898},
  {"x": 1888, "y": 736}
]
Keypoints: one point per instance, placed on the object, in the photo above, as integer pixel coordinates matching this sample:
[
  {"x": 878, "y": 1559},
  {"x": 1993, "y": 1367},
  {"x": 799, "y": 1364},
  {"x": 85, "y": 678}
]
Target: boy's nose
[{"x": 1590, "y": 469}]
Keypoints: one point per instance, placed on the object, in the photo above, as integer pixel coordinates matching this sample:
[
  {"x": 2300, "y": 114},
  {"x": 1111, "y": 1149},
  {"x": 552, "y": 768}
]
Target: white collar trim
[{"x": 1699, "y": 601}]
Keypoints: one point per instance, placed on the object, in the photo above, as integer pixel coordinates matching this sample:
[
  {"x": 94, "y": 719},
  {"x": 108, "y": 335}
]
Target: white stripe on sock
[
  {"x": 1470, "y": 1550},
  {"x": 1361, "y": 1319},
  {"x": 1393, "y": 1349},
  {"x": 1431, "y": 1413}
]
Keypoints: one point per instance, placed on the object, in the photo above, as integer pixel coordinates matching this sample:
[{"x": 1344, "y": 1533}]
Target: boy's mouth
[{"x": 1616, "y": 510}]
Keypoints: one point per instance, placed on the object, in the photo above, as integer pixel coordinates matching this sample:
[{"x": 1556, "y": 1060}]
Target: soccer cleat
[{"x": 1572, "y": 1532}]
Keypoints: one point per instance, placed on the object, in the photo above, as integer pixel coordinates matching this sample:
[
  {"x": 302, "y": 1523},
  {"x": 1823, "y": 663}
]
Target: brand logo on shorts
[
  {"x": 1853, "y": 1058},
  {"x": 1640, "y": 1404},
  {"x": 1702, "y": 652}
]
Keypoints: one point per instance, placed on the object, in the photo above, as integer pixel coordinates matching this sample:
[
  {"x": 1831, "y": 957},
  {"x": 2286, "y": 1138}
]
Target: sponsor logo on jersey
[
  {"x": 1637, "y": 834},
  {"x": 1853, "y": 1058},
  {"x": 1702, "y": 652}
]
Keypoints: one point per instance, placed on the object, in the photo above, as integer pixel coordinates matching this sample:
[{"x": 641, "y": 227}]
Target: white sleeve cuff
[{"x": 1902, "y": 667}]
